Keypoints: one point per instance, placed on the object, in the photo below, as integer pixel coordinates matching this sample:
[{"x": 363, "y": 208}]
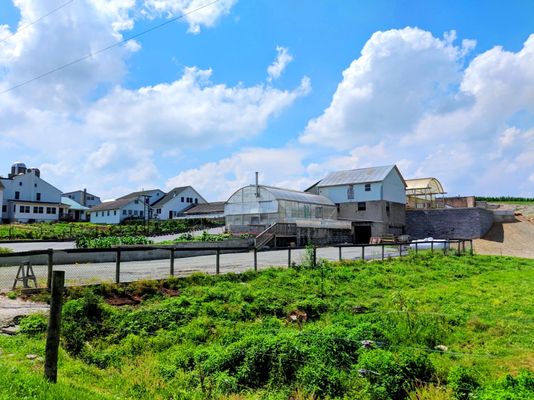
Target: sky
[{"x": 205, "y": 93}]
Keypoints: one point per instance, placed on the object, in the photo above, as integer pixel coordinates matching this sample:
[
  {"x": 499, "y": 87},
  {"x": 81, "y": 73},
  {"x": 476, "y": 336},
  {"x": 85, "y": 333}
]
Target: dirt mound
[{"x": 510, "y": 239}]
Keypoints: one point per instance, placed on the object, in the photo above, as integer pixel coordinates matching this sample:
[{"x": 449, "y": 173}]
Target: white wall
[
  {"x": 135, "y": 208},
  {"x": 77, "y": 196},
  {"x": 393, "y": 188},
  {"x": 14, "y": 212},
  {"x": 28, "y": 186},
  {"x": 339, "y": 194},
  {"x": 178, "y": 203}
]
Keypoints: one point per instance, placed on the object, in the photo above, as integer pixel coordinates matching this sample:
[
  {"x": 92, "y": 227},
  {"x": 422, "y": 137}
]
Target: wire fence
[{"x": 132, "y": 263}]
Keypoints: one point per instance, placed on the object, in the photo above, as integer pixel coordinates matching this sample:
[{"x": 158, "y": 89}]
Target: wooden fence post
[
  {"x": 289, "y": 257},
  {"x": 383, "y": 251},
  {"x": 218, "y": 262},
  {"x": 255, "y": 259},
  {"x": 416, "y": 248},
  {"x": 363, "y": 252},
  {"x": 50, "y": 268},
  {"x": 118, "y": 266},
  {"x": 314, "y": 256},
  {"x": 340, "y": 254},
  {"x": 54, "y": 326},
  {"x": 172, "y": 262}
]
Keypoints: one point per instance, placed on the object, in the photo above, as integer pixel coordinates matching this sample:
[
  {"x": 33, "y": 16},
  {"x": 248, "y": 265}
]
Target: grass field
[{"x": 424, "y": 327}]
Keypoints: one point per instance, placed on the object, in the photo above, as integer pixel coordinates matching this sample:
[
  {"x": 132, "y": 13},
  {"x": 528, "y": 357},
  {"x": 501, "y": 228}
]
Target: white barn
[
  {"x": 175, "y": 202},
  {"x": 114, "y": 212},
  {"x": 28, "y": 198},
  {"x": 83, "y": 197}
]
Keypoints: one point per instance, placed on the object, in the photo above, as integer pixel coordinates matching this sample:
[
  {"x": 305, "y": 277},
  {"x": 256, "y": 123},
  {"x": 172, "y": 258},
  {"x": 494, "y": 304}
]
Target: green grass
[{"x": 231, "y": 336}]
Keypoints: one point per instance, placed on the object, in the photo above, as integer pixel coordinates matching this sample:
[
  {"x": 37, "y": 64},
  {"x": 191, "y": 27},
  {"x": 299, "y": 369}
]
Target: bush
[
  {"x": 509, "y": 388},
  {"x": 462, "y": 382},
  {"x": 34, "y": 324}
]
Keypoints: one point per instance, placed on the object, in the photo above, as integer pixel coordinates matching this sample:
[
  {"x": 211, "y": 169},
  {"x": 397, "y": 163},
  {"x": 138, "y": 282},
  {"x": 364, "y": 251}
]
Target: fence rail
[{"x": 174, "y": 260}]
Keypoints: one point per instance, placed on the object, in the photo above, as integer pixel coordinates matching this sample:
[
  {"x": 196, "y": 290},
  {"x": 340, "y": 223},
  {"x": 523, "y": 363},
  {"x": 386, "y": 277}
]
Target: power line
[
  {"x": 111, "y": 46},
  {"x": 37, "y": 20}
]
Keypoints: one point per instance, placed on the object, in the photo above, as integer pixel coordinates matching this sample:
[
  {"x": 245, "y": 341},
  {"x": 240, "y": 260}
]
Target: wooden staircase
[{"x": 273, "y": 231}]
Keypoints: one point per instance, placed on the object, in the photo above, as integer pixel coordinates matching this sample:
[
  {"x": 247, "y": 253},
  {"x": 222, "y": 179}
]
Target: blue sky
[{"x": 293, "y": 89}]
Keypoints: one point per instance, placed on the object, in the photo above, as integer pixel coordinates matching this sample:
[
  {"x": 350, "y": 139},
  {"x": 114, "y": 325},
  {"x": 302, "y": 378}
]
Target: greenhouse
[
  {"x": 260, "y": 205},
  {"x": 424, "y": 193}
]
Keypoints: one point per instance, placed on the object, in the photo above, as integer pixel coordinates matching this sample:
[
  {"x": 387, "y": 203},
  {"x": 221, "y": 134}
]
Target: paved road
[
  {"x": 27, "y": 246},
  {"x": 157, "y": 269}
]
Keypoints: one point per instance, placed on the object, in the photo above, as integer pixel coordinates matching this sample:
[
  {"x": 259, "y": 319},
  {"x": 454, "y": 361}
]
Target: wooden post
[
  {"x": 340, "y": 254},
  {"x": 54, "y": 326},
  {"x": 383, "y": 251},
  {"x": 416, "y": 249},
  {"x": 471, "y": 250},
  {"x": 172, "y": 262},
  {"x": 363, "y": 252},
  {"x": 314, "y": 256},
  {"x": 432, "y": 247},
  {"x": 289, "y": 257},
  {"x": 118, "y": 266},
  {"x": 255, "y": 259},
  {"x": 50, "y": 268},
  {"x": 218, "y": 262}
]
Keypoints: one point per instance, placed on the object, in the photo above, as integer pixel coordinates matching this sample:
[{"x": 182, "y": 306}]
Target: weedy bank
[{"x": 424, "y": 327}]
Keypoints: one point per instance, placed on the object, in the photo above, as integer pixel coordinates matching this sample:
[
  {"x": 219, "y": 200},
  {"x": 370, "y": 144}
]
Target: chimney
[
  {"x": 84, "y": 198},
  {"x": 257, "y": 186}
]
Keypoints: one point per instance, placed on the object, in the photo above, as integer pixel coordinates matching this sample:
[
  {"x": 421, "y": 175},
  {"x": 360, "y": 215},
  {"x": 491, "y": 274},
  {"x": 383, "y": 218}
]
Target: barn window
[
  {"x": 367, "y": 187},
  {"x": 361, "y": 206}
]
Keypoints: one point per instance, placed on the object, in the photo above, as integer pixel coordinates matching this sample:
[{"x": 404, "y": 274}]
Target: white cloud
[
  {"x": 207, "y": 14},
  {"x": 400, "y": 76},
  {"x": 191, "y": 111},
  {"x": 218, "y": 180},
  {"x": 283, "y": 58}
]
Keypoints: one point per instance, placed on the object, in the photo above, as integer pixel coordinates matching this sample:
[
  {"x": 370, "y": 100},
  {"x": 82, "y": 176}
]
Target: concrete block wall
[{"x": 448, "y": 223}]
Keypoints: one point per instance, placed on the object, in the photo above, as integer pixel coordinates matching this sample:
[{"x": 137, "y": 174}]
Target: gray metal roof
[
  {"x": 301, "y": 197},
  {"x": 73, "y": 205},
  {"x": 354, "y": 176}
]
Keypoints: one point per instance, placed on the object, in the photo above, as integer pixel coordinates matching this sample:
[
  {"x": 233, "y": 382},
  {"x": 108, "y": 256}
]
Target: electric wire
[
  {"x": 36, "y": 21},
  {"x": 103, "y": 49}
]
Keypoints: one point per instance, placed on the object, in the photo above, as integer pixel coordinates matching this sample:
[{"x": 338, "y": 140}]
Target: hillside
[{"x": 424, "y": 327}]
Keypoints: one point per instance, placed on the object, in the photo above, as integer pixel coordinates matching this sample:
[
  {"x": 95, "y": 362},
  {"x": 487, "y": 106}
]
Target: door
[
  {"x": 170, "y": 214},
  {"x": 362, "y": 234}
]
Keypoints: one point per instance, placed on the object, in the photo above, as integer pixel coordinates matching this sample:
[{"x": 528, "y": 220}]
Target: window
[
  {"x": 123, "y": 212},
  {"x": 4, "y": 208},
  {"x": 21, "y": 209},
  {"x": 350, "y": 192},
  {"x": 361, "y": 206},
  {"x": 17, "y": 195},
  {"x": 96, "y": 214},
  {"x": 50, "y": 210},
  {"x": 140, "y": 213},
  {"x": 136, "y": 212},
  {"x": 35, "y": 208},
  {"x": 387, "y": 209},
  {"x": 367, "y": 187},
  {"x": 129, "y": 212},
  {"x": 182, "y": 199},
  {"x": 108, "y": 213},
  {"x": 38, "y": 196},
  {"x": 114, "y": 212},
  {"x": 318, "y": 212},
  {"x": 40, "y": 210},
  {"x": 158, "y": 210},
  {"x": 196, "y": 201},
  {"x": 20, "y": 183}
]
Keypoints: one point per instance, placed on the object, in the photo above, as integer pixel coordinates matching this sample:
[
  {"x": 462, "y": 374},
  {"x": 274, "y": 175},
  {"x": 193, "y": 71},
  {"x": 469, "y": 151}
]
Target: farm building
[
  {"x": 213, "y": 211},
  {"x": 372, "y": 199},
  {"x": 114, "y": 212},
  {"x": 284, "y": 216},
  {"x": 175, "y": 202},
  {"x": 424, "y": 193},
  {"x": 83, "y": 197}
]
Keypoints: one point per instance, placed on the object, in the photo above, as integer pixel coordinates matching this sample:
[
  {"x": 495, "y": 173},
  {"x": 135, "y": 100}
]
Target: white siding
[
  {"x": 16, "y": 213},
  {"x": 77, "y": 196},
  {"x": 340, "y": 194},
  {"x": 178, "y": 203},
  {"x": 135, "y": 208},
  {"x": 394, "y": 189}
]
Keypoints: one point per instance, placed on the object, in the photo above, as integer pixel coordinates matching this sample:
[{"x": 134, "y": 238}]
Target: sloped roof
[
  {"x": 355, "y": 176},
  {"x": 79, "y": 191},
  {"x": 169, "y": 196},
  {"x": 112, "y": 205},
  {"x": 73, "y": 205},
  {"x": 206, "y": 208},
  {"x": 295, "y": 195},
  {"x": 137, "y": 194},
  {"x": 426, "y": 185}
]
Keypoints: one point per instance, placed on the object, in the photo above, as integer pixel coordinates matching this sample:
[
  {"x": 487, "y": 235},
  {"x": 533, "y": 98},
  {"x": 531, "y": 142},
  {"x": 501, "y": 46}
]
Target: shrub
[
  {"x": 462, "y": 382},
  {"x": 34, "y": 324}
]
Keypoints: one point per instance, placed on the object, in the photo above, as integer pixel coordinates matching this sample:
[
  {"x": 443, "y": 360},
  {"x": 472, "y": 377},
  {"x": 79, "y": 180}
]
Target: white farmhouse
[
  {"x": 28, "y": 198},
  {"x": 176, "y": 201},
  {"x": 114, "y": 212},
  {"x": 83, "y": 197}
]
